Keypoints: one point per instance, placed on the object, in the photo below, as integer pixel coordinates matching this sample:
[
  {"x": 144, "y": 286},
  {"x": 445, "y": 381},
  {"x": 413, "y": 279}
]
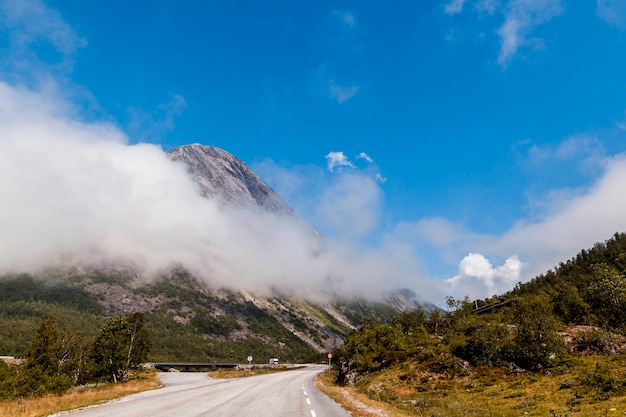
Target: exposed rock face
[
  {"x": 118, "y": 299},
  {"x": 222, "y": 175}
]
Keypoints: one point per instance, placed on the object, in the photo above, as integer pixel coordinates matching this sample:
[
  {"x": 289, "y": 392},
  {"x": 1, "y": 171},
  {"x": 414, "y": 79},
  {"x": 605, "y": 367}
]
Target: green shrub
[{"x": 602, "y": 379}]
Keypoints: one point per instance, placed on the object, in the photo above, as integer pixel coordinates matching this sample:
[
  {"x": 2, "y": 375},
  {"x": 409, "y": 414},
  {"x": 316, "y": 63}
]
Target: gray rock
[{"x": 222, "y": 175}]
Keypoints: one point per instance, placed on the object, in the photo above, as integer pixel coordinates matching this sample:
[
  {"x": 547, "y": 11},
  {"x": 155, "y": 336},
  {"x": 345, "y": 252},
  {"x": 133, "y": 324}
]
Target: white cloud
[
  {"x": 437, "y": 242},
  {"x": 568, "y": 224},
  {"x": 521, "y": 17},
  {"x": 347, "y": 207},
  {"x": 365, "y": 157},
  {"x": 454, "y": 7},
  {"x": 350, "y": 206},
  {"x": 346, "y": 17},
  {"x": 77, "y": 192},
  {"x": 565, "y": 170},
  {"x": 569, "y": 221},
  {"x": 341, "y": 93},
  {"x": 450, "y": 35},
  {"x": 612, "y": 11},
  {"x": 30, "y": 24},
  {"x": 152, "y": 126},
  {"x": 511, "y": 39},
  {"x": 588, "y": 218},
  {"x": 337, "y": 161},
  {"x": 74, "y": 189},
  {"x": 342, "y": 52},
  {"x": 478, "y": 278},
  {"x": 584, "y": 152},
  {"x": 291, "y": 183},
  {"x": 487, "y": 7},
  {"x": 577, "y": 224},
  {"x": 344, "y": 202}
]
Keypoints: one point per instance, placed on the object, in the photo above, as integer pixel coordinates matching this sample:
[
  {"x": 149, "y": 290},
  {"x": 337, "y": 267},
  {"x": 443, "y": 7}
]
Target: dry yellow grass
[
  {"x": 355, "y": 402},
  {"x": 405, "y": 390},
  {"x": 77, "y": 398}
]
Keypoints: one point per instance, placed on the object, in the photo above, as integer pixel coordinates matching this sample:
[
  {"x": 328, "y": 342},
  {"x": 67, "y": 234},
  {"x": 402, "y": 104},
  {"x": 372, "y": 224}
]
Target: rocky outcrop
[{"x": 222, "y": 175}]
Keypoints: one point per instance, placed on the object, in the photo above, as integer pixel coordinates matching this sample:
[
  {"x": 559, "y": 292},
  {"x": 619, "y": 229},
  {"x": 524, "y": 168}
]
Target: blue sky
[{"x": 482, "y": 139}]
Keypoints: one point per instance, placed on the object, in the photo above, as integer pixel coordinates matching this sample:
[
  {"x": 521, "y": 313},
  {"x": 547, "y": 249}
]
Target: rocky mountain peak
[{"x": 222, "y": 175}]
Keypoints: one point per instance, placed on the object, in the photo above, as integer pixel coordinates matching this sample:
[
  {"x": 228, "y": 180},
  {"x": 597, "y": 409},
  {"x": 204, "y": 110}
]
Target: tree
[
  {"x": 412, "y": 324},
  {"x": 570, "y": 305},
  {"x": 367, "y": 348},
  {"x": 479, "y": 342},
  {"x": 536, "y": 341},
  {"x": 45, "y": 360},
  {"x": 42, "y": 354},
  {"x": 121, "y": 345},
  {"x": 607, "y": 294}
]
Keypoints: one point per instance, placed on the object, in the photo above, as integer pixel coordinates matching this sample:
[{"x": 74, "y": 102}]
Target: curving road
[{"x": 189, "y": 394}]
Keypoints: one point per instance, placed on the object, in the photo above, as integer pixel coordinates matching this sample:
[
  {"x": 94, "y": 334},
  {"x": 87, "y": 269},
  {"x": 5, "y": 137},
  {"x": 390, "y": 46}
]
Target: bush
[
  {"x": 481, "y": 343},
  {"x": 602, "y": 379},
  {"x": 536, "y": 343}
]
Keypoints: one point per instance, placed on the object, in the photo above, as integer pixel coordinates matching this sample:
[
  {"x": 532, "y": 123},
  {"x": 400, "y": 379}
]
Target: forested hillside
[
  {"x": 589, "y": 288},
  {"x": 544, "y": 331},
  {"x": 188, "y": 320},
  {"x": 72, "y": 326}
]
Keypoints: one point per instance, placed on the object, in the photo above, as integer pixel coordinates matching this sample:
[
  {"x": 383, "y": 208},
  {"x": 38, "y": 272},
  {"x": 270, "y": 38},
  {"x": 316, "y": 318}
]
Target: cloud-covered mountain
[
  {"x": 223, "y": 176},
  {"x": 78, "y": 192},
  {"x": 224, "y": 259}
]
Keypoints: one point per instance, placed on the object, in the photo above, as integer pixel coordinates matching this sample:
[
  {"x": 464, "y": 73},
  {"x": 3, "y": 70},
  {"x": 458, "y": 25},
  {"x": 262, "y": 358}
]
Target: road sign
[
  {"x": 249, "y": 364},
  {"x": 330, "y": 355}
]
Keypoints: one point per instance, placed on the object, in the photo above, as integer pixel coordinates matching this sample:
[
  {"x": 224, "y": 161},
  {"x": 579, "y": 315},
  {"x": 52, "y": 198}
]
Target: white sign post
[{"x": 249, "y": 363}]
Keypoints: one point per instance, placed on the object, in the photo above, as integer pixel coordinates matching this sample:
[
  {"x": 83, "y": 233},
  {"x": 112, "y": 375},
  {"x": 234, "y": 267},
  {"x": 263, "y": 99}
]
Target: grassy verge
[
  {"x": 78, "y": 398},
  {"x": 353, "y": 401},
  {"x": 585, "y": 386}
]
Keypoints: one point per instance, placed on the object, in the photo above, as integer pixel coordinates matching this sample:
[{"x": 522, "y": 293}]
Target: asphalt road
[{"x": 193, "y": 394}]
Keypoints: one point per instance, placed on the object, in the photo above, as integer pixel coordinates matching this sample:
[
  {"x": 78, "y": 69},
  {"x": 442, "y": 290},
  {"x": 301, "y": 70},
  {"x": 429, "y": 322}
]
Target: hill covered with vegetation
[
  {"x": 187, "y": 320},
  {"x": 552, "y": 345}
]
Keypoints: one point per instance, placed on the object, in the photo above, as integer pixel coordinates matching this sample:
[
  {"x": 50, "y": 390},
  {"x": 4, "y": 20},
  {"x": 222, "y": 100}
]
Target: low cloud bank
[
  {"x": 73, "y": 191},
  {"x": 77, "y": 192}
]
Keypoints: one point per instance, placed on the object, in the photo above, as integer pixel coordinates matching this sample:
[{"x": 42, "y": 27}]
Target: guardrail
[{"x": 490, "y": 307}]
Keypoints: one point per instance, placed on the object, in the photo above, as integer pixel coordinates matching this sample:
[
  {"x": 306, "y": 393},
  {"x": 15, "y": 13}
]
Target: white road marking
[
  {"x": 308, "y": 401},
  {"x": 313, "y": 413},
  {"x": 305, "y": 393}
]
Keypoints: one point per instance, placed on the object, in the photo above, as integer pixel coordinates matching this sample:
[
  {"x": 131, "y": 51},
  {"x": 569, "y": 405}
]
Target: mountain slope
[
  {"x": 188, "y": 321},
  {"x": 221, "y": 175}
]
